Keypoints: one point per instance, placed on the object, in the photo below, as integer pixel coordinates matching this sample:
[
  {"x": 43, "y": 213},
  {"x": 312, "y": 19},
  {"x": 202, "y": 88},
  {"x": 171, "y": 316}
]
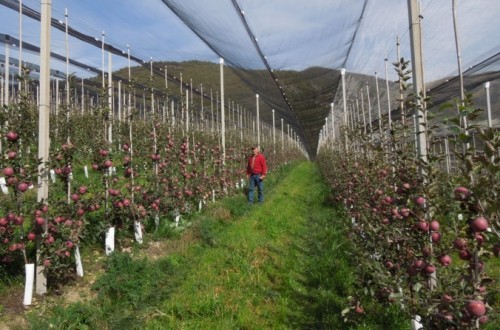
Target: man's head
[{"x": 255, "y": 150}]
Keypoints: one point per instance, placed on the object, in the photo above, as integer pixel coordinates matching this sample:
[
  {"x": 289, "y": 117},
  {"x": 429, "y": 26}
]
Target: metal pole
[
  {"x": 369, "y": 108},
  {"x": 102, "y": 59},
  {"x": 388, "y": 94},
  {"x": 7, "y": 74},
  {"x": 83, "y": 97},
  {"x": 378, "y": 106},
  {"x": 274, "y": 135},
  {"x": 344, "y": 98},
  {"x": 333, "y": 120},
  {"x": 187, "y": 111},
  {"x": 223, "y": 128},
  {"x": 488, "y": 103},
  {"x": 258, "y": 119},
  {"x": 418, "y": 76},
  {"x": 110, "y": 98},
  {"x": 43, "y": 127},
  {"x": 282, "y": 137},
  {"x": 119, "y": 100},
  {"x": 20, "y": 38},
  {"x": 67, "y": 60}
]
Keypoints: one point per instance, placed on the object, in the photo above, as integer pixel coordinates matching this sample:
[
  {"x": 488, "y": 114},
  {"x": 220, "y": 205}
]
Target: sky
[{"x": 291, "y": 34}]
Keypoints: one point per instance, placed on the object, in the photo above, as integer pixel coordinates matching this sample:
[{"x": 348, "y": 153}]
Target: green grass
[{"x": 282, "y": 265}]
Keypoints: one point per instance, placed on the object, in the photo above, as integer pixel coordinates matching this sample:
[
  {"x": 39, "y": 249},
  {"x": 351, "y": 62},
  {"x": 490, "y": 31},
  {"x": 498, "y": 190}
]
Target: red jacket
[{"x": 259, "y": 165}]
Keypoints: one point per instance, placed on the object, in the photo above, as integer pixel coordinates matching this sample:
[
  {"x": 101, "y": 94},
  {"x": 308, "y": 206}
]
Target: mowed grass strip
[
  {"x": 254, "y": 270},
  {"x": 281, "y": 265}
]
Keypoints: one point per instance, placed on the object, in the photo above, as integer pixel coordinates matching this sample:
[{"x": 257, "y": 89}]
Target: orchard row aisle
[{"x": 281, "y": 265}]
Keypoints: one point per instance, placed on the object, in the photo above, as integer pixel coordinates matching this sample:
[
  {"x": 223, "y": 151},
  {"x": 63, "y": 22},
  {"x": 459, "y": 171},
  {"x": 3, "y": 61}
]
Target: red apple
[
  {"x": 75, "y": 197},
  {"x": 103, "y": 152},
  {"x": 436, "y": 237},
  {"x": 82, "y": 190},
  {"x": 464, "y": 254},
  {"x": 19, "y": 220},
  {"x": 429, "y": 269},
  {"x": 423, "y": 225},
  {"x": 47, "y": 263},
  {"x": 405, "y": 212},
  {"x": 31, "y": 236},
  {"x": 108, "y": 163},
  {"x": 479, "y": 237},
  {"x": 420, "y": 201},
  {"x": 475, "y": 308},
  {"x": 483, "y": 319},
  {"x": 460, "y": 243},
  {"x": 447, "y": 298},
  {"x": 419, "y": 263},
  {"x": 22, "y": 187},
  {"x": 434, "y": 225},
  {"x": 461, "y": 193},
  {"x": 445, "y": 260},
  {"x": 8, "y": 171},
  {"x": 479, "y": 224},
  {"x": 12, "y": 181},
  {"x": 12, "y": 136},
  {"x": 11, "y": 154},
  {"x": 358, "y": 309}
]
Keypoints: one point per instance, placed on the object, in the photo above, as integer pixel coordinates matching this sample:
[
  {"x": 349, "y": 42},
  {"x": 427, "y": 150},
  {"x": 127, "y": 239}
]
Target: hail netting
[
  {"x": 304, "y": 52},
  {"x": 282, "y": 59}
]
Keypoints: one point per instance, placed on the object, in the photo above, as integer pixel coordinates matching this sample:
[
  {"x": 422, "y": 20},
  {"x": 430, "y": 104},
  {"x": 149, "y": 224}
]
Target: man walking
[{"x": 256, "y": 172}]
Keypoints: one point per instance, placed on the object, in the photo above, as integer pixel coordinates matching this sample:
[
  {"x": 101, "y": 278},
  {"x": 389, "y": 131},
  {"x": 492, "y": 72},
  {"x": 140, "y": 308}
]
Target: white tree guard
[
  {"x": 415, "y": 323},
  {"x": 213, "y": 195},
  {"x": 177, "y": 220},
  {"x": 86, "y": 171},
  {"x": 78, "y": 262},
  {"x": 200, "y": 205},
  {"x": 110, "y": 241},
  {"x": 3, "y": 186},
  {"x": 157, "y": 221},
  {"x": 53, "y": 176},
  {"x": 29, "y": 281},
  {"x": 138, "y": 232}
]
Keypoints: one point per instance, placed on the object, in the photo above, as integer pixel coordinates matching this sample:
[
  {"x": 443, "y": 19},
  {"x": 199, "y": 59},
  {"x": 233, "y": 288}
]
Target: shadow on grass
[{"x": 328, "y": 279}]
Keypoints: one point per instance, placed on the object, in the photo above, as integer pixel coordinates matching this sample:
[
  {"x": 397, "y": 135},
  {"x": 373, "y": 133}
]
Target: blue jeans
[{"x": 256, "y": 181}]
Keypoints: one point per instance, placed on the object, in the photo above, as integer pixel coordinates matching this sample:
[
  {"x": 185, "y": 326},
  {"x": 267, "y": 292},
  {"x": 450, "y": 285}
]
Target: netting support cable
[{"x": 266, "y": 63}]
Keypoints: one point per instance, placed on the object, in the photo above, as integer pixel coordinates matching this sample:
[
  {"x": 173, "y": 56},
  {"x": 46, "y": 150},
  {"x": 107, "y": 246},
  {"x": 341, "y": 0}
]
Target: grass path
[
  {"x": 254, "y": 271},
  {"x": 281, "y": 265}
]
